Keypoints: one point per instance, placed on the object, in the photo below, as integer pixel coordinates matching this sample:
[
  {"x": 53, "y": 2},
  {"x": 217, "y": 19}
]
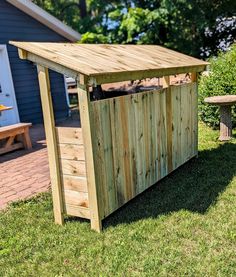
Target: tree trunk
[{"x": 83, "y": 8}]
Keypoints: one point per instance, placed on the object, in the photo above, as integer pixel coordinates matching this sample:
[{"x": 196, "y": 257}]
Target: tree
[
  {"x": 190, "y": 26},
  {"x": 221, "y": 81}
]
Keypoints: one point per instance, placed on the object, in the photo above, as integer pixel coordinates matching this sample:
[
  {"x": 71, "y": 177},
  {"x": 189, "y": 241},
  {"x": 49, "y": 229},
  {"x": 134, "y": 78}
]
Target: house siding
[{"x": 16, "y": 25}]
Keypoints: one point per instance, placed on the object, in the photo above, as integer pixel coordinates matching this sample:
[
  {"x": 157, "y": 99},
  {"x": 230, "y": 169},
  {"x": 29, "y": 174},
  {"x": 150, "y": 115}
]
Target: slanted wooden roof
[{"x": 111, "y": 63}]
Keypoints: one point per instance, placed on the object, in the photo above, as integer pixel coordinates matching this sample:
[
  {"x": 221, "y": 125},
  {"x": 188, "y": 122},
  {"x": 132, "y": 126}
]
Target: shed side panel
[{"x": 130, "y": 141}]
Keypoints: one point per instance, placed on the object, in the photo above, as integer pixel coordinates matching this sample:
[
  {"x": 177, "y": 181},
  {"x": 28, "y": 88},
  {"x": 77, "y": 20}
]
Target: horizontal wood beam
[
  {"x": 139, "y": 75},
  {"x": 24, "y": 55},
  {"x": 74, "y": 210}
]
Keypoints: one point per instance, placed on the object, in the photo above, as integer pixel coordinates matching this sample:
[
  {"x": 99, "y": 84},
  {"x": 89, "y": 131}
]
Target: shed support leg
[
  {"x": 166, "y": 84},
  {"x": 84, "y": 106},
  {"x": 49, "y": 125},
  {"x": 194, "y": 79}
]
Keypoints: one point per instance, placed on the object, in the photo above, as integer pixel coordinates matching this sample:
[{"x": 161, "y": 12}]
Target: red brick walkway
[{"x": 24, "y": 173}]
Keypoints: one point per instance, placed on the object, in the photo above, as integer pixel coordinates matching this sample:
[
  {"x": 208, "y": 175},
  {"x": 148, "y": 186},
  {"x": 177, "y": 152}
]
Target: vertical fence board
[
  {"x": 195, "y": 118},
  {"x": 109, "y": 191},
  {"x": 139, "y": 143},
  {"x": 131, "y": 103},
  {"x": 176, "y": 122},
  {"x": 163, "y": 136}
]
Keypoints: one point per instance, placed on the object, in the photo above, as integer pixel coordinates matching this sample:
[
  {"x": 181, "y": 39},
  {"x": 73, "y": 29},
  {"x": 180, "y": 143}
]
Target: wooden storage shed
[{"x": 125, "y": 144}]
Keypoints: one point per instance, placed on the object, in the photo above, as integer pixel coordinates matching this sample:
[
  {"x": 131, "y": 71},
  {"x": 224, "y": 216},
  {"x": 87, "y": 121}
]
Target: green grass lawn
[{"x": 183, "y": 226}]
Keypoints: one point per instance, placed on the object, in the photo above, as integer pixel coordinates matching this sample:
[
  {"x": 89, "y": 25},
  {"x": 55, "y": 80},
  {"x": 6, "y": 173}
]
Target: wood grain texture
[
  {"x": 185, "y": 123},
  {"x": 76, "y": 198},
  {"x": 49, "y": 125},
  {"x": 75, "y": 168},
  {"x": 76, "y": 183},
  {"x": 110, "y": 63},
  {"x": 130, "y": 142},
  {"x": 74, "y": 210},
  {"x": 169, "y": 122},
  {"x": 71, "y": 152},
  {"x": 69, "y": 135},
  {"x": 88, "y": 131},
  {"x": 72, "y": 163}
]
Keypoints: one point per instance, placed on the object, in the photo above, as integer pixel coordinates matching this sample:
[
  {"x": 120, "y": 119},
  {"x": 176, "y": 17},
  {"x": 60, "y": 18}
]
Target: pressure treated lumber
[
  {"x": 72, "y": 164},
  {"x": 109, "y": 63},
  {"x": 49, "y": 125},
  {"x": 166, "y": 84},
  {"x": 84, "y": 104}
]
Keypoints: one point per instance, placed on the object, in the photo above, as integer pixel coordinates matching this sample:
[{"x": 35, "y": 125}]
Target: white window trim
[{"x": 4, "y": 54}]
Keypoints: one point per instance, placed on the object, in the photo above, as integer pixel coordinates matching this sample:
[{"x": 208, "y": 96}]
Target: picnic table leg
[
  {"x": 27, "y": 140},
  {"x": 225, "y": 123}
]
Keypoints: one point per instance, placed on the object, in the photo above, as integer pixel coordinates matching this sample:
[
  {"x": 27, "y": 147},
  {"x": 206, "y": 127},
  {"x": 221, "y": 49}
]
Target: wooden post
[
  {"x": 166, "y": 84},
  {"x": 194, "y": 79},
  {"x": 49, "y": 125},
  {"x": 194, "y": 76},
  {"x": 84, "y": 104},
  {"x": 166, "y": 81}
]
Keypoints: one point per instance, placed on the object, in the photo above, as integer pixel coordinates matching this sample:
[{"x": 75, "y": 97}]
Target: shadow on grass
[{"x": 195, "y": 187}]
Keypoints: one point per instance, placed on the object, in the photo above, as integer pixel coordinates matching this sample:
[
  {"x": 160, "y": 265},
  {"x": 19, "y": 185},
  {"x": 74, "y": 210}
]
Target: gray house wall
[{"x": 16, "y": 25}]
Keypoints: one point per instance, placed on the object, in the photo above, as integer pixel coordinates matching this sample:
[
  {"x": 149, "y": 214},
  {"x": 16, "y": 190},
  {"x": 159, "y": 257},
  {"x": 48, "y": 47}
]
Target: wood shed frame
[{"x": 126, "y": 144}]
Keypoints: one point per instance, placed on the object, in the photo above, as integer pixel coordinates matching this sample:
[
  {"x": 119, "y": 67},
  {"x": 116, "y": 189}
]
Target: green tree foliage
[
  {"x": 190, "y": 26},
  {"x": 221, "y": 81}
]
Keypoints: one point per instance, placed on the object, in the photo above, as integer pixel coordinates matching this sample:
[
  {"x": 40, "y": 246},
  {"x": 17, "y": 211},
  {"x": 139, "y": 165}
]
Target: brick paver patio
[{"x": 24, "y": 173}]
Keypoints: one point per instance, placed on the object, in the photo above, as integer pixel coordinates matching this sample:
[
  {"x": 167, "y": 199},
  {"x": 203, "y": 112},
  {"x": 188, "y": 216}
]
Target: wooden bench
[{"x": 15, "y": 137}]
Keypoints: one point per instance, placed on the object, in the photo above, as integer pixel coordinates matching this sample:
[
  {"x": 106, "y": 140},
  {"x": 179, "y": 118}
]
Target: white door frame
[{"x": 4, "y": 57}]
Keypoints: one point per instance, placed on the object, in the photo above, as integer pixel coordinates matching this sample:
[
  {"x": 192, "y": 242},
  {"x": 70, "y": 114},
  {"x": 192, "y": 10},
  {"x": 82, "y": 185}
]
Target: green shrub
[{"x": 221, "y": 81}]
